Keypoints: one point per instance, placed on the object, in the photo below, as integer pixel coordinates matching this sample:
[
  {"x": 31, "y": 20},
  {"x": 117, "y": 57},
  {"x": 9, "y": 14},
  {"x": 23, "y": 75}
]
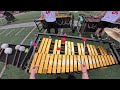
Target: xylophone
[
  {"x": 69, "y": 57},
  {"x": 63, "y": 21}
]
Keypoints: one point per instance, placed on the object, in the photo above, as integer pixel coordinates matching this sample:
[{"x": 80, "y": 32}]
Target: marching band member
[
  {"x": 50, "y": 19},
  {"x": 108, "y": 18}
]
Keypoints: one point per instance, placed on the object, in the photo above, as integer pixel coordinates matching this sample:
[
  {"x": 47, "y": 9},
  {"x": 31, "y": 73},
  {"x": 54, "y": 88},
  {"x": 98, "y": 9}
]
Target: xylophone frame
[{"x": 112, "y": 47}]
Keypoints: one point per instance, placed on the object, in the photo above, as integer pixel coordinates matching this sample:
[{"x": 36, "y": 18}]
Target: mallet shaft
[{"x": 14, "y": 57}]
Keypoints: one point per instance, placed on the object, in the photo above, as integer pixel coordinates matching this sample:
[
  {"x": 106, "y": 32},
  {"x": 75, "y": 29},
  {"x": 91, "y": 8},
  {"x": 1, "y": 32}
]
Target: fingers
[
  {"x": 83, "y": 65},
  {"x": 34, "y": 67},
  {"x": 84, "y": 69}
]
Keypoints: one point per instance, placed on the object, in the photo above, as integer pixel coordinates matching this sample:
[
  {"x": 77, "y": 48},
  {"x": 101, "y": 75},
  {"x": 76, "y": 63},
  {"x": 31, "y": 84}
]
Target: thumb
[{"x": 83, "y": 65}]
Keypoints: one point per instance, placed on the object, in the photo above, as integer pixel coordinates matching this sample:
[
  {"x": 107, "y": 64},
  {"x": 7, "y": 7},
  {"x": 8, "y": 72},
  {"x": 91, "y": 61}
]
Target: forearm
[
  {"x": 85, "y": 75},
  {"x": 32, "y": 76}
]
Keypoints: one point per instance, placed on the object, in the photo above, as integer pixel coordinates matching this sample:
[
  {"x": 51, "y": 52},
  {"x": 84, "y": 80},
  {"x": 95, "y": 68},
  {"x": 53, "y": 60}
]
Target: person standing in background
[
  {"x": 50, "y": 19},
  {"x": 108, "y": 18}
]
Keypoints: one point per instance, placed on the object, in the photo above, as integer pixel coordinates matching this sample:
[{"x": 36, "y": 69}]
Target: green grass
[
  {"x": 27, "y": 17},
  {"x": 12, "y": 39},
  {"x": 31, "y": 37},
  {"x": 106, "y": 73},
  {"x": 14, "y": 73}
]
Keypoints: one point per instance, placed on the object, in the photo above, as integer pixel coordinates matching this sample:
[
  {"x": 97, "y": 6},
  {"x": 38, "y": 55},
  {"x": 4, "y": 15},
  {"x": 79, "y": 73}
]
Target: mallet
[
  {"x": 7, "y": 52},
  {"x": 21, "y": 49},
  {"x": 16, "y": 49},
  {"x": 3, "y": 46},
  {"x": 84, "y": 39},
  {"x": 27, "y": 51}
]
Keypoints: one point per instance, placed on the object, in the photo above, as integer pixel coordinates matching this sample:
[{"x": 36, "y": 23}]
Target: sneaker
[
  {"x": 93, "y": 36},
  {"x": 100, "y": 38},
  {"x": 49, "y": 36}
]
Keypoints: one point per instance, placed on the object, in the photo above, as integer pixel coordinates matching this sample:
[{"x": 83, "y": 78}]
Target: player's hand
[
  {"x": 84, "y": 69},
  {"x": 33, "y": 69}
]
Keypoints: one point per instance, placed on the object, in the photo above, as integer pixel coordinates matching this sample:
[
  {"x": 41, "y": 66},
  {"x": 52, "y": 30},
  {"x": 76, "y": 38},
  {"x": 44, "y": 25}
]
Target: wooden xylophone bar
[{"x": 56, "y": 62}]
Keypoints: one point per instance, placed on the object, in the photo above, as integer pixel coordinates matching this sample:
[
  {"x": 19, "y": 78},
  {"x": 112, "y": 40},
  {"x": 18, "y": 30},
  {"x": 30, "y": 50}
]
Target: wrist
[
  {"x": 84, "y": 72},
  {"x": 32, "y": 76},
  {"x": 32, "y": 73}
]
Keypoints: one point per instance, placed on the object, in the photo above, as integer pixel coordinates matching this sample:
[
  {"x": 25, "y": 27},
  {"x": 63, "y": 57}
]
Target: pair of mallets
[
  {"x": 7, "y": 51},
  {"x": 21, "y": 49}
]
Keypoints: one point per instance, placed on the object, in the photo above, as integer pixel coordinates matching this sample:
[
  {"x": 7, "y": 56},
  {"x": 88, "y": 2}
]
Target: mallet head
[
  {"x": 17, "y": 47},
  {"x": 22, "y": 48},
  {"x": 8, "y": 51},
  {"x": 4, "y": 46}
]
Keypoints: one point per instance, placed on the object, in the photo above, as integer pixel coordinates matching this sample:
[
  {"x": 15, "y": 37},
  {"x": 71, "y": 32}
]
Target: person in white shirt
[
  {"x": 108, "y": 18},
  {"x": 50, "y": 18}
]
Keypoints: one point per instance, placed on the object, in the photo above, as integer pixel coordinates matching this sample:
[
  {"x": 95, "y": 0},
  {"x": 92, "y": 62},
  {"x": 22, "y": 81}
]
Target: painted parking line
[
  {"x": 2, "y": 32},
  {"x": 10, "y": 32},
  {"x": 28, "y": 35},
  {"x": 19, "y": 32}
]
